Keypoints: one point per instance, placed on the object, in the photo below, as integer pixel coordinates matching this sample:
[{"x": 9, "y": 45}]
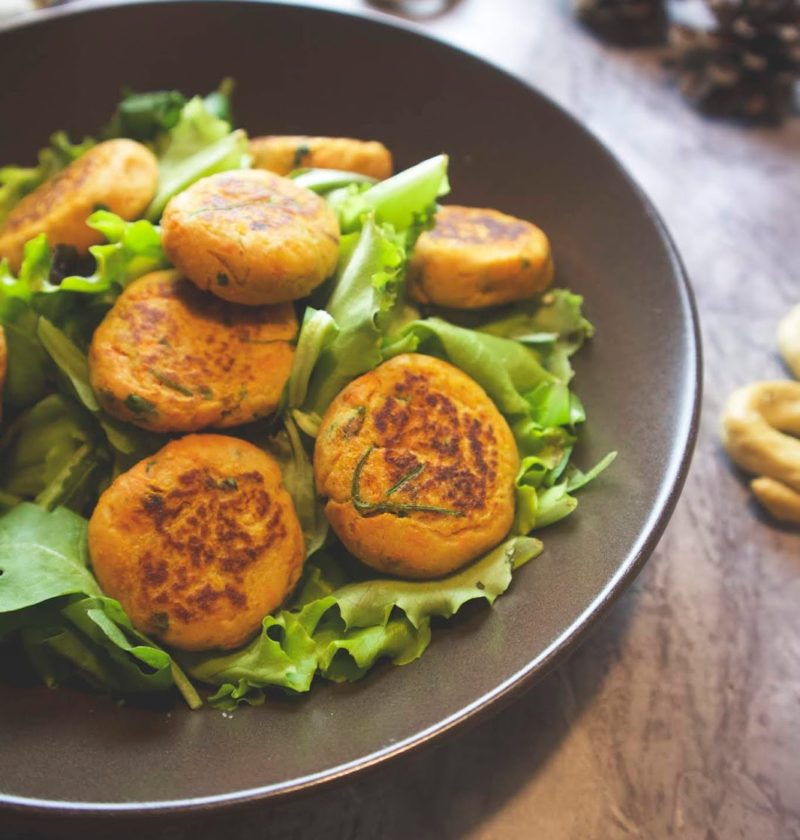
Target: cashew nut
[
  {"x": 754, "y": 424},
  {"x": 789, "y": 340},
  {"x": 781, "y": 501}
]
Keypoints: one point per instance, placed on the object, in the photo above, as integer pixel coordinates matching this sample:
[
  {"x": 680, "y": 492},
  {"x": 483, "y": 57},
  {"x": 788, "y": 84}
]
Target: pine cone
[
  {"x": 625, "y": 22},
  {"x": 747, "y": 66}
]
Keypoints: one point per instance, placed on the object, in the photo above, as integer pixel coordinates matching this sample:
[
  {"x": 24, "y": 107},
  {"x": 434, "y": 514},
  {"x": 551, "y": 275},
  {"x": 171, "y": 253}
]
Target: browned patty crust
[
  {"x": 417, "y": 466},
  {"x": 169, "y": 357},
  {"x": 119, "y": 175},
  {"x": 199, "y": 542},
  {"x": 475, "y": 257},
  {"x": 281, "y": 154},
  {"x": 251, "y": 237}
]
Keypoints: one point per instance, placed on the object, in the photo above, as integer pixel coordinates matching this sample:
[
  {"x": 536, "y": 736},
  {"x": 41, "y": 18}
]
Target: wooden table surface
[{"x": 679, "y": 717}]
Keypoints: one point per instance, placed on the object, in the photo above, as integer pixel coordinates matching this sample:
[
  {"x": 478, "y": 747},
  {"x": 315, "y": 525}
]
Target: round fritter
[
  {"x": 119, "y": 175},
  {"x": 171, "y": 358},
  {"x": 283, "y": 153},
  {"x": 251, "y": 237},
  {"x": 417, "y": 466},
  {"x": 199, "y": 542},
  {"x": 475, "y": 257}
]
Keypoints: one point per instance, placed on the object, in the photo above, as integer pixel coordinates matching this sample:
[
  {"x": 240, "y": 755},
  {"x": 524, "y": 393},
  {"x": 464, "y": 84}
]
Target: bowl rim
[{"x": 651, "y": 530}]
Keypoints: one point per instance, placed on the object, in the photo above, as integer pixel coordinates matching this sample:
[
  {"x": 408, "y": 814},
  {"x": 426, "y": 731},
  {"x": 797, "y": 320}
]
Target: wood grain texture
[{"x": 679, "y": 716}]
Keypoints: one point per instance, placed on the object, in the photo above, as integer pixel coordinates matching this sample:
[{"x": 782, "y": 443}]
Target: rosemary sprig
[{"x": 366, "y": 508}]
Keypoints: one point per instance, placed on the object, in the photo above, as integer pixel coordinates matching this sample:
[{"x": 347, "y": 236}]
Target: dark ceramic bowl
[{"x": 301, "y": 70}]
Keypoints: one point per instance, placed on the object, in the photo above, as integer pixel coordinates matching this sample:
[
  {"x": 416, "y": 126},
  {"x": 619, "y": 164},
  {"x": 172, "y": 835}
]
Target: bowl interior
[{"x": 300, "y": 70}]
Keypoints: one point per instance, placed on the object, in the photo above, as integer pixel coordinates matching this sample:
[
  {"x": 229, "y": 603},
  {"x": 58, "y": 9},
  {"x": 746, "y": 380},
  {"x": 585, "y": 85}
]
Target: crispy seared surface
[
  {"x": 198, "y": 542},
  {"x": 169, "y": 357},
  {"x": 417, "y": 466},
  {"x": 283, "y": 153},
  {"x": 475, "y": 257},
  {"x": 120, "y": 175},
  {"x": 251, "y": 237}
]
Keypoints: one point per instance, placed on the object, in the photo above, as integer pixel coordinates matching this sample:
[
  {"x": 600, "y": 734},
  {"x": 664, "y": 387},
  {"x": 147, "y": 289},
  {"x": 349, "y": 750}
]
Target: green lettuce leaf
[
  {"x": 133, "y": 249},
  {"x": 52, "y": 454},
  {"x": 146, "y": 117},
  {"x": 289, "y": 448},
  {"x": 49, "y": 596},
  {"x": 366, "y": 288},
  {"x": 43, "y": 555},
  {"x": 340, "y": 631},
  {"x": 198, "y": 145},
  {"x": 17, "y": 181},
  {"x": 406, "y": 201},
  {"x": 504, "y": 368},
  {"x": 324, "y": 181}
]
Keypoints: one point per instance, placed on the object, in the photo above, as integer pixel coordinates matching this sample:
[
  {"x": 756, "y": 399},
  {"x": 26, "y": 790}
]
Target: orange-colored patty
[
  {"x": 475, "y": 257},
  {"x": 169, "y": 357},
  {"x": 120, "y": 175},
  {"x": 199, "y": 542},
  {"x": 283, "y": 153},
  {"x": 251, "y": 237},
  {"x": 417, "y": 466}
]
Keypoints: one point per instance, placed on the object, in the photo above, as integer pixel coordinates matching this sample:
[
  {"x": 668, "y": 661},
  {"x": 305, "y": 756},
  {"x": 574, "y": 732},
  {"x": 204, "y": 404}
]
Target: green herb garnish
[
  {"x": 300, "y": 153},
  {"x": 171, "y": 383},
  {"x": 139, "y": 405},
  {"x": 366, "y": 508}
]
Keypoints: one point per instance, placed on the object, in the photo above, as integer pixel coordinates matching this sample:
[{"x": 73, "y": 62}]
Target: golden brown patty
[
  {"x": 199, "y": 542},
  {"x": 251, "y": 237},
  {"x": 171, "y": 358},
  {"x": 282, "y": 154},
  {"x": 119, "y": 175},
  {"x": 475, "y": 257},
  {"x": 418, "y": 468}
]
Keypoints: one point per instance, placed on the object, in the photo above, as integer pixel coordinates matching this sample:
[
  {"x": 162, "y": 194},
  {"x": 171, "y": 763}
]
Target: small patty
[
  {"x": 251, "y": 237},
  {"x": 283, "y": 153},
  {"x": 119, "y": 175},
  {"x": 417, "y": 466},
  {"x": 476, "y": 257},
  {"x": 199, "y": 542},
  {"x": 171, "y": 358}
]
